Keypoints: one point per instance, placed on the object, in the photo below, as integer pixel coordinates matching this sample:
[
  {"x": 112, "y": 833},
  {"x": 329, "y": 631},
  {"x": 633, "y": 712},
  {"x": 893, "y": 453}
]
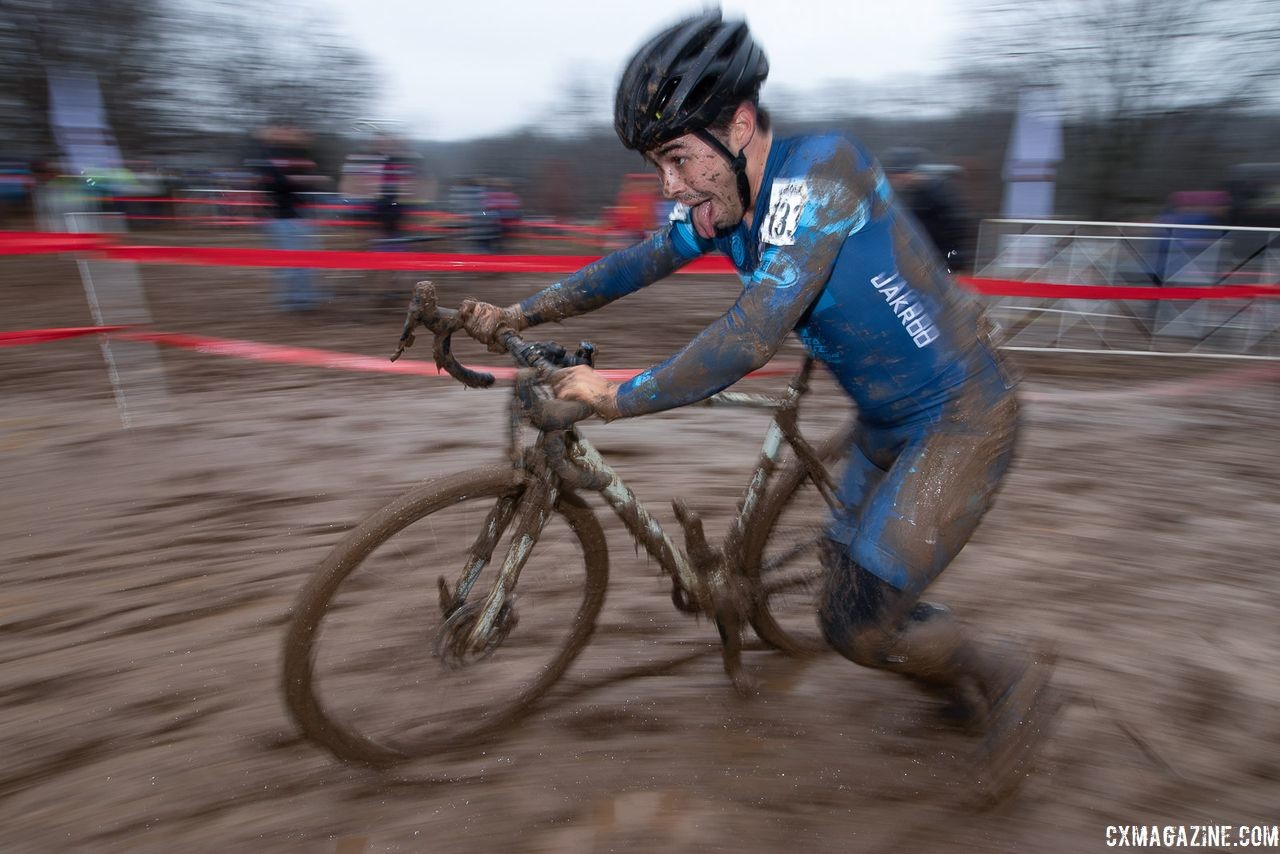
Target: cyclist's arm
[
  {"x": 614, "y": 276},
  {"x": 792, "y": 272}
]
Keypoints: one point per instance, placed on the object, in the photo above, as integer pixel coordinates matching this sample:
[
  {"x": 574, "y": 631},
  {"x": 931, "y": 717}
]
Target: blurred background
[
  {"x": 149, "y": 572},
  {"x": 1138, "y": 100}
]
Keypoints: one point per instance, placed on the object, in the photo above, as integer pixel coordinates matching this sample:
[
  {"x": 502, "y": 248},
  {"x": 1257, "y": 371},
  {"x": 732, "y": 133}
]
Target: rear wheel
[
  {"x": 376, "y": 671},
  {"x": 782, "y": 554}
]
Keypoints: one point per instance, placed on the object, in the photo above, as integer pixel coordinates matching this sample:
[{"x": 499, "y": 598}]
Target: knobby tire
[
  {"x": 782, "y": 553},
  {"x": 303, "y": 686}
]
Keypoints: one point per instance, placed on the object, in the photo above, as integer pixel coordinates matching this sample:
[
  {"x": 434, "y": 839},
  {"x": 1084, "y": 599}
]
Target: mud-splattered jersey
[{"x": 827, "y": 255}]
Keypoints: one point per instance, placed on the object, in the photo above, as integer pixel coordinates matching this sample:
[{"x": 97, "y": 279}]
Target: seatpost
[{"x": 800, "y": 382}]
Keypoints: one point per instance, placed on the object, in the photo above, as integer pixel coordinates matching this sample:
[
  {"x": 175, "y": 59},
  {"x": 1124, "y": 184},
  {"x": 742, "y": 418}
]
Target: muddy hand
[
  {"x": 484, "y": 321},
  {"x": 585, "y": 385}
]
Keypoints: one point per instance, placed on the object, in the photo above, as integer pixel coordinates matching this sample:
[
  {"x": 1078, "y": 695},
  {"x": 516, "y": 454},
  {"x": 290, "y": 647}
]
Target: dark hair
[{"x": 720, "y": 124}]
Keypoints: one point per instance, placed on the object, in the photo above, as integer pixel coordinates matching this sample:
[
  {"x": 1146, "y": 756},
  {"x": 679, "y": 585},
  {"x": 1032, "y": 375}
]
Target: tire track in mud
[
  {"x": 142, "y": 634},
  {"x": 1213, "y": 383},
  {"x": 132, "y": 621}
]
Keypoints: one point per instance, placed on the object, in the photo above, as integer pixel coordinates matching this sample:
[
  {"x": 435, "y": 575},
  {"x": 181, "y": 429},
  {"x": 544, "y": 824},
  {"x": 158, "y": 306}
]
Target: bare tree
[
  {"x": 1126, "y": 67},
  {"x": 114, "y": 38},
  {"x": 582, "y": 105},
  {"x": 234, "y": 67},
  {"x": 173, "y": 73}
]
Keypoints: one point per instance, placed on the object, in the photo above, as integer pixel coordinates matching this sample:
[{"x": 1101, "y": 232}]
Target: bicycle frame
[
  {"x": 703, "y": 575},
  {"x": 647, "y": 530},
  {"x": 706, "y": 577}
]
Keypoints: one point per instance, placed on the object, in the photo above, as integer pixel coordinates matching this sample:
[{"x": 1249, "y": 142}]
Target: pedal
[{"x": 725, "y": 606}]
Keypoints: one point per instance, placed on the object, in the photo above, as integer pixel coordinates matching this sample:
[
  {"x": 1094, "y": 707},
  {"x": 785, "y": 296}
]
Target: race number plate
[{"x": 786, "y": 202}]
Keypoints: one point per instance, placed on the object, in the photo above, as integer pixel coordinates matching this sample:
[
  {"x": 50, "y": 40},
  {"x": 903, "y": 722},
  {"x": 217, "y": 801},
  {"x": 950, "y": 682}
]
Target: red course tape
[
  {"x": 23, "y": 337},
  {"x": 45, "y": 242},
  {"x": 1011, "y": 288},
  {"x": 316, "y": 358},
  {"x": 439, "y": 262},
  {"x": 306, "y": 356}
]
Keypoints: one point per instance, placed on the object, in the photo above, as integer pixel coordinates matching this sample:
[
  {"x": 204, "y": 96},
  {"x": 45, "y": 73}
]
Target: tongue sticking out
[{"x": 702, "y": 221}]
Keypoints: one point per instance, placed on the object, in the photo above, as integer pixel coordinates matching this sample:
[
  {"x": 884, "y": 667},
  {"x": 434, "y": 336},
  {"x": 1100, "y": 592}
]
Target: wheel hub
[{"x": 454, "y": 645}]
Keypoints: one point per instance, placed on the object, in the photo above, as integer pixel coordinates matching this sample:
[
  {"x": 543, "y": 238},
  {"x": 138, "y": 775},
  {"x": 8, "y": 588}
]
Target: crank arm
[{"x": 730, "y": 628}]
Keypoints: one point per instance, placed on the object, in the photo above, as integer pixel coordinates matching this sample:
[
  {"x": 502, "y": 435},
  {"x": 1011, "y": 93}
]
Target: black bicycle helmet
[{"x": 682, "y": 79}]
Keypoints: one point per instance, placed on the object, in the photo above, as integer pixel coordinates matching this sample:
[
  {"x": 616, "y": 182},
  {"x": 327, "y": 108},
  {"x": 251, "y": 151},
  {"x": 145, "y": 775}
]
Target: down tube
[{"x": 642, "y": 526}]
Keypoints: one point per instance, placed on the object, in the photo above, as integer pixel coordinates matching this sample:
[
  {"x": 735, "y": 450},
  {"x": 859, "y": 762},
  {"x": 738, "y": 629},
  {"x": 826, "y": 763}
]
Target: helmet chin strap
[{"x": 737, "y": 162}]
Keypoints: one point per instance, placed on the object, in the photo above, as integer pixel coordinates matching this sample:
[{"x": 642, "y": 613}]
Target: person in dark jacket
[
  {"x": 286, "y": 170},
  {"x": 932, "y": 201}
]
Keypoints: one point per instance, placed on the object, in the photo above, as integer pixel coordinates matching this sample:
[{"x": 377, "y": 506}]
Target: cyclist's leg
[
  {"x": 909, "y": 525},
  {"x": 877, "y": 625}
]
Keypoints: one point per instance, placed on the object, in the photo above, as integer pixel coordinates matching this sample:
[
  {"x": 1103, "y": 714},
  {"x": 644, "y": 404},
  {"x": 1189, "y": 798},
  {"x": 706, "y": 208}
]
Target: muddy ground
[{"x": 148, "y": 574}]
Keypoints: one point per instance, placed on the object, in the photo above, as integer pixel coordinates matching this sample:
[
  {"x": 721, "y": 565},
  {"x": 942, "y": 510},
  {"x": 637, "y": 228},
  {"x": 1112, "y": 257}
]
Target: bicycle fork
[{"x": 473, "y": 630}]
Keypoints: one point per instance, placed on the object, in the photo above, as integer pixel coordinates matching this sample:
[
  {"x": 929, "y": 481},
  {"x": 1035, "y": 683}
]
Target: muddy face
[{"x": 697, "y": 176}]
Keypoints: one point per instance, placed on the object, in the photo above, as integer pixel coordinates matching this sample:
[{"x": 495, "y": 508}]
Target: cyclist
[{"x": 813, "y": 229}]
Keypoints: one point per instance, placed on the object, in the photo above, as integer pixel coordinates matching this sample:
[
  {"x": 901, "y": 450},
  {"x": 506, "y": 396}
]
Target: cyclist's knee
[
  {"x": 866, "y": 646},
  {"x": 858, "y": 613}
]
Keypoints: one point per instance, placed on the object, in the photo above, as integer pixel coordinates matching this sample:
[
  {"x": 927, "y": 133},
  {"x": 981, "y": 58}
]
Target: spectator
[
  {"x": 58, "y": 196},
  {"x": 633, "y": 214},
  {"x": 502, "y": 200},
  {"x": 16, "y": 188},
  {"x": 286, "y": 170},
  {"x": 926, "y": 192},
  {"x": 1178, "y": 255},
  {"x": 468, "y": 202},
  {"x": 395, "y": 175}
]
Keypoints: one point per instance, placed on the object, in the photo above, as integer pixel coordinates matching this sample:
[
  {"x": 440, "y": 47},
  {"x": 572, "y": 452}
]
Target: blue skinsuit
[{"x": 830, "y": 256}]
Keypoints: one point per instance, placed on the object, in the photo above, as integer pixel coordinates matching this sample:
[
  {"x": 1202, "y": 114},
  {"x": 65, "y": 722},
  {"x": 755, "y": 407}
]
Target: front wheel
[
  {"x": 782, "y": 553},
  {"x": 369, "y": 669}
]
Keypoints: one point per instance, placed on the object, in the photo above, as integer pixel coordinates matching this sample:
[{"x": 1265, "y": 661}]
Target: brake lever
[
  {"x": 422, "y": 311},
  {"x": 442, "y": 350}
]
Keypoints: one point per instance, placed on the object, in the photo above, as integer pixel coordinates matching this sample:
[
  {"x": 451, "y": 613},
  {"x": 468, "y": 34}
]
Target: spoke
[
  {"x": 374, "y": 688},
  {"x": 801, "y": 578},
  {"x": 776, "y": 562}
]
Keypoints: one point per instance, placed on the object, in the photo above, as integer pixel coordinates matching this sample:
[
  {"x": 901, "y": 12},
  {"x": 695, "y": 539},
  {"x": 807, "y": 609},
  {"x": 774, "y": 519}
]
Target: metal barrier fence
[
  {"x": 116, "y": 297},
  {"x": 1131, "y": 256}
]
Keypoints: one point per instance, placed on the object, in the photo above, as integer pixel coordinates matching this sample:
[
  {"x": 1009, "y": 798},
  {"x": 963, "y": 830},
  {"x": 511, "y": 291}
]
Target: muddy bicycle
[{"x": 441, "y": 618}]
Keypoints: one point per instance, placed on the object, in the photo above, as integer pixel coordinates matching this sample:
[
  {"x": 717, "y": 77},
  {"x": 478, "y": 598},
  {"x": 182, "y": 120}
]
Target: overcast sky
[{"x": 464, "y": 69}]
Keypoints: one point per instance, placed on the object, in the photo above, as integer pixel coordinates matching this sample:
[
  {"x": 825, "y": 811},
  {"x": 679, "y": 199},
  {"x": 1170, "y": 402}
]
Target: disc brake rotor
[{"x": 453, "y": 646}]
